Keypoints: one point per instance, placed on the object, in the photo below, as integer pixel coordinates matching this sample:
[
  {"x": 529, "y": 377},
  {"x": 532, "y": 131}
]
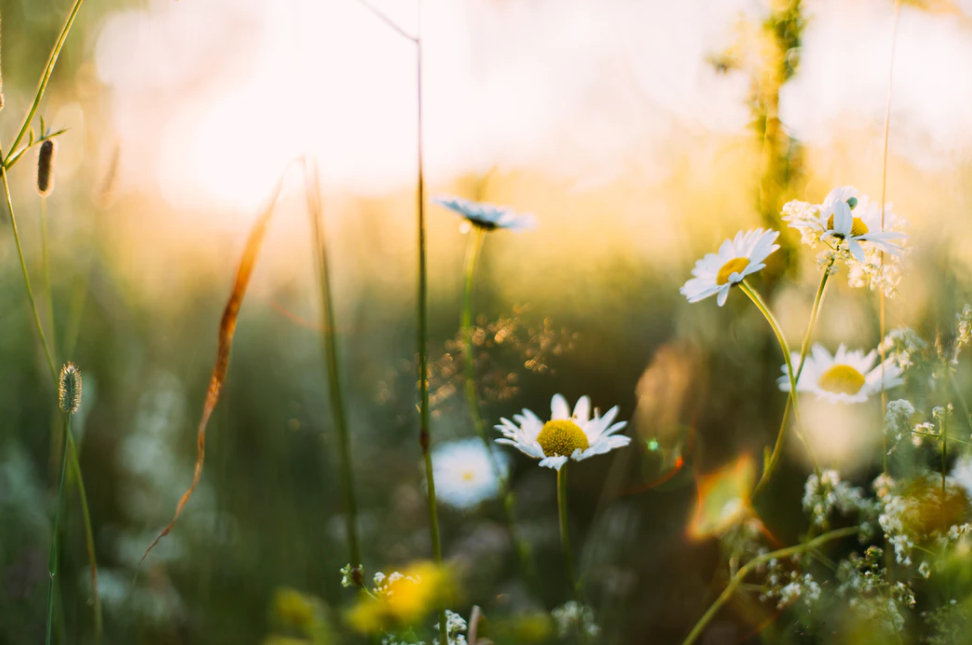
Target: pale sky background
[{"x": 221, "y": 93}]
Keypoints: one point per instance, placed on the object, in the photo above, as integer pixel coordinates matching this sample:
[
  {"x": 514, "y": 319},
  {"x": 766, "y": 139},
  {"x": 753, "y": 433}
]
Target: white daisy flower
[
  {"x": 737, "y": 258},
  {"x": 845, "y": 377},
  {"x": 486, "y": 215},
  {"x": 962, "y": 473},
  {"x": 566, "y": 436},
  {"x": 849, "y": 218},
  {"x": 464, "y": 474}
]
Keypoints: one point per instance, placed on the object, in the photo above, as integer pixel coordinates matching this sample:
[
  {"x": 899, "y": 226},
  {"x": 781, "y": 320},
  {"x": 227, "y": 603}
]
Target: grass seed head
[
  {"x": 69, "y": 388},
  {"x": 45, "y": 168}
]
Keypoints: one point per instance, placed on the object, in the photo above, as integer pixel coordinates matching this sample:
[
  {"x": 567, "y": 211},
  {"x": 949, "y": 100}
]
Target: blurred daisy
[
  {"x": 737, "y": 258},
  {"x": 464, "y": 474},
  {"x": 849, "y": 218},
  {"x": 485, "y": 215},
  {"x": 845, "y": 377},
  {"x": 962, "y": 473},
  {"x": 566, "y": 436}
]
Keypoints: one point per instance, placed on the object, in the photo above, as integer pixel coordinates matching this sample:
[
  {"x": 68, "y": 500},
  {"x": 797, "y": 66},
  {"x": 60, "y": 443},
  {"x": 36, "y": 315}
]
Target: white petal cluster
[
  {"x": 851, "y": 229},
  {"x": 737, "y": 258},
  {"x": 465, "y": 474},
  {"x": 847, "y": 376},
  {"x": 487, "y": 216},
  {"x": 600, "y": 432}
]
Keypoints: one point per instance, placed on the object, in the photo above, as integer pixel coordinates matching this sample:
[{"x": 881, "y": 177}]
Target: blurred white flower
[
  {"x": 962, "y": 473},
  {"x": 737, "y": 258},
  {"x": 853, "y": 230},
  {"x": 464, "y": 474},
  {"x": 485, "y": 215},
  {"x": 566, "y": 436},
  {"x": 845, "y": 377}
]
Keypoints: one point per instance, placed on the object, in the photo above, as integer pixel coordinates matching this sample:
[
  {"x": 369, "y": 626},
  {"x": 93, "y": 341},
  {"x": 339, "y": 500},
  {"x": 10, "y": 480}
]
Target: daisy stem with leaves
[
  {"x": 791, "y": 373},
  {"x": 477, "y": 236},
  {"x": 774, "y": 457},
  {"x": 575, "y": 586}
]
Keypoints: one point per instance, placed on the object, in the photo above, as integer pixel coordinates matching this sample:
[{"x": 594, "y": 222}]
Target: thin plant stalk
[
  {"x": 790, "y": 372},
  {"x": 476, "y": 239},
  {"x": 423, "y": 335},
  {"x": 778, "y": 448},
  {"x": 46, "y": 75},
  {"x": 71, "y": 449},
  {"x": 564, "y": 529},
  {"x": 422, "y": 304},
  {"x": 944, "y": 451},
  {"x": 747, "y": 568},
  {"x": 330, "y": 356},
  {"x": 45, "y": 259},
  {"x": 52, "y": 558},
  {"x": 884, "y": 191}
]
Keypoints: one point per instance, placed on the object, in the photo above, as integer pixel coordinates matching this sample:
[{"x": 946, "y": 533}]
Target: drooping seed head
[
  {"x": 561, "y": 437},
  {"x": 69, "y": 388},
  {"x": 45, "y": 168}
]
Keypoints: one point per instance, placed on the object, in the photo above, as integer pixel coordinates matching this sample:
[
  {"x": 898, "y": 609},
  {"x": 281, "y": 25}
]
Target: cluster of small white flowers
[
  {"x": 822, "y": 495},
  {"x": 864, "y": 584},
  {"x": 904, "y": 346},
  {"x": 876, "y": 271},
  {"x": 347, "y": 575},
  {"x": 455, "y": 626},
  {"x": 892, "y": 519},
  {"x": 897, "y": 420},
  {"x": 963, "y": 330},
  {"x": 788, "y": 587},
  {"x": 573, "y": 616}
]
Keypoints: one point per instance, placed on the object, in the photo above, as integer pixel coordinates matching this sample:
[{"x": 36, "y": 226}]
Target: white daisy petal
[
  {"x": 737, "y": 258},
  {"x": 582, "y": 435}
]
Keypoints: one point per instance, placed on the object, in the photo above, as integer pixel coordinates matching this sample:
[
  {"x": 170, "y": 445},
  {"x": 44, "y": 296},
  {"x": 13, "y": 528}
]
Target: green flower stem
[
  {"x": 46, "y": 75},
  {"x": 52, "y": 558},
  {"x": 564, "y": 530},
  {"x": 778, "y": 448},
  {"x": 45, "y": 258},
  {"x": 71, "y": 448},
  {"x": 747, "y": 568},
  {"x": 476, "y": 239},
  {"x": 423, "y": 335},
  {"x": 329, "y": 348},
  {"x": 791, "y": 373}
]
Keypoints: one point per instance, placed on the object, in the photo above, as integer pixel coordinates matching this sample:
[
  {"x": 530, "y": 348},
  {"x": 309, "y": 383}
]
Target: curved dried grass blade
[{"x": 227, "y": 327}]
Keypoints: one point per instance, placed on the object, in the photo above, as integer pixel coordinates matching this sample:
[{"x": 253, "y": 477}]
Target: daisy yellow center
[
  {"x": 841, "y": 379},
  {"x": 734, "y": 265},
  {"x": 858, "y": 227},
  {"x": 561, "y": 437},
  {"x": 468, "y": 476}
]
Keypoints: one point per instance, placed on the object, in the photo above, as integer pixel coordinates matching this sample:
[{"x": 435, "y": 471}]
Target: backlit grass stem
[
  {"x": 747, "y": 568},
  {"x": 790, "y": 372},
  {"x": 45, "y": 259},
  {"x": 329, "y": 348},
  {"x": 476, "y": 239},
  {"x": 778, "y": 448},
  {"x": 52, "y": 557}
]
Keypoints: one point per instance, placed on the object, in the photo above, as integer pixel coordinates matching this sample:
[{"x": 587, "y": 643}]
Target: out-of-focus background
[{"x": 640, "y": 134}]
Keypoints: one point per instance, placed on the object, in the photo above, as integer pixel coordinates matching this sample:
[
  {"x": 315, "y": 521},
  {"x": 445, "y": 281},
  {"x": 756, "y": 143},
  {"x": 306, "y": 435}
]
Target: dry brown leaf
[{"x": 227, "y": 327}]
